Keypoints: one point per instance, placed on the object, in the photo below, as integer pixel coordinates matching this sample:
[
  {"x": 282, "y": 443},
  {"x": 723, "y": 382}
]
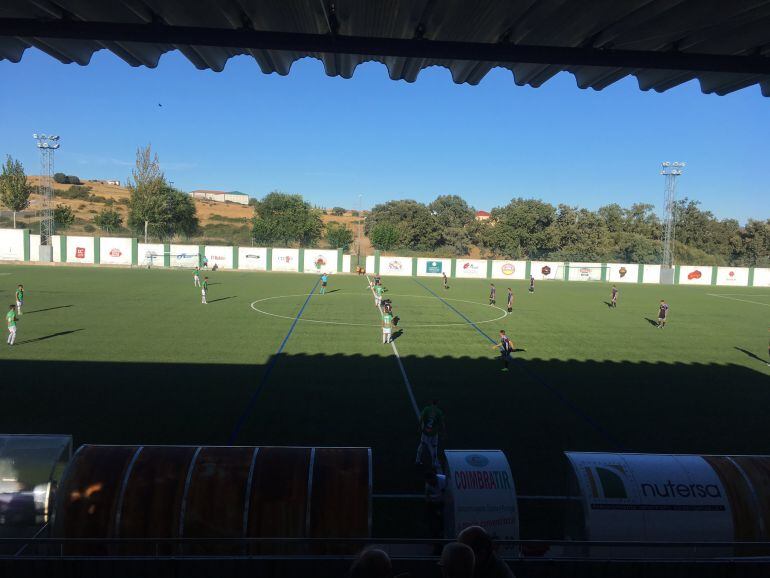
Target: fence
[{"x": 21, "y": 245}]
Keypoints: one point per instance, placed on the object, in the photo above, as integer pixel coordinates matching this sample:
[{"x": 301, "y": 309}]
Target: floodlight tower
[
  {"x": 670, "y": 171},
  {"x": 47, "y": 145}
]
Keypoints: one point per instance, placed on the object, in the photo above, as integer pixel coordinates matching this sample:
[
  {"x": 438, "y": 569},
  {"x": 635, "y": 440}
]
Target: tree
[
  {"x": 338, "y": 236},
  {"x": 60, "y": 178},
  {"x": 287, "y": 219},
  {"x": 338, "y": 211},
  {"x": 63, "y": 216},
  {"x": 528, "y": 221},
  {"x": 417, "y": 227},
  {"x": 451, "y": 211},
  {"x": 755, "y": 243},
  {"x": 14, "y": 190},
  {"x": 108, "y": 220},
  {"x": 384, "y": 237}
]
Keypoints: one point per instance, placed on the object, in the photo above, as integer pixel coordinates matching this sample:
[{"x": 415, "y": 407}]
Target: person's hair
[
  {"x": 371, "y": 563},
  {"x": 479, "y": 541},
  {"x": 457, "y": 560},
  {"x": 12, "y": 306},
  {"x": 502, "y": 331}
]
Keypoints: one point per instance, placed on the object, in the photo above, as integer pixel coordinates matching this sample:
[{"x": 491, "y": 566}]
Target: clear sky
[{"x": 331, "y": 139}]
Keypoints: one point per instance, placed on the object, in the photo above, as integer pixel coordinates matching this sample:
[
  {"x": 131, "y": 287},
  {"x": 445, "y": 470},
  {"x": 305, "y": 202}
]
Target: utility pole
[{"x": 47, "y": 145}]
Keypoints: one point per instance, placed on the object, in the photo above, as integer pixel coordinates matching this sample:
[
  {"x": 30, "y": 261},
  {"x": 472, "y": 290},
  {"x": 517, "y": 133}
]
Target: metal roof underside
[{"x": 724, "y": 44}]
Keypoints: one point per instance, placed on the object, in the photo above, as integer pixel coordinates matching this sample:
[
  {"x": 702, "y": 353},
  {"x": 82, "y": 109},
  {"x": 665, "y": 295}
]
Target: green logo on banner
[{"x": 433, "y": 267}]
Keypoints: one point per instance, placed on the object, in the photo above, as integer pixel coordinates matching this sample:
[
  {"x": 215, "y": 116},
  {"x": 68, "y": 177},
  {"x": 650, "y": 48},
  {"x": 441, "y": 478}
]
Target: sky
[{"x": 333, "y": 139}]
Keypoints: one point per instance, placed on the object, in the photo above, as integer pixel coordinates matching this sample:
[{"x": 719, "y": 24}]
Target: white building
[{"x": 222, "y": 196}]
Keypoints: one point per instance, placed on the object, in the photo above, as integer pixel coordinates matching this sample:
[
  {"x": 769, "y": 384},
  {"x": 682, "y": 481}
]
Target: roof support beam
[{"x": 409, "y": 48}]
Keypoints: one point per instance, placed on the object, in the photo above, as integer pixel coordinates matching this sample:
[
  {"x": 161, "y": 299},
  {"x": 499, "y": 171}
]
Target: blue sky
[{"x": 331, "y": 139}]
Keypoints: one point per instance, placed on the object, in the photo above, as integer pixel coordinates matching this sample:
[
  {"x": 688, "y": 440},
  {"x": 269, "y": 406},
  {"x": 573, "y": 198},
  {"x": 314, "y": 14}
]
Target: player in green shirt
[
  {"x": 378, "y": 295},
  {"x": 387, "y": 328},
  {"x": 204, "y": 290},
  {"x": 11, "y": 319},
  {"x": 19, "y": 298},
  {"x": 431, "y": 425},
  {"x": 197, "y": 277}
]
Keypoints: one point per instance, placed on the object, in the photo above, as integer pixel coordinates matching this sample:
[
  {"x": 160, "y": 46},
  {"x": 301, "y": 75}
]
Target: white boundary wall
[
  {"x": 585, "y": 272},
  {"x": 147, "y": 249},
  {"x": 219, "y": 255},
  {"x": 733, "y": 276},
  {"x": 346, "y": 263},
  {"x": 471, "y": 268},
  {"x": 424, "y": 264},
  {"x": 556, "y": 270},
  {"x": 761, "y": 278},
  {"x": 399, "y": 266},
  {"x": 11, "y": 244},
  {"x": 184, "y": 256},
  {"x": 34, "y": 247},
  {"x": 615, "y": 272},
  {"x": 115, "y": 250},
  {"x": 252, "y": 258},
  {"x": 320, "y": 261},
  {"x": 651, "y": 274},
  {"x": 509, "y": 269},
  {"x": 80, "y": 249},
  {"x": 695, "y": 275},
  {"x": 286, "y": 260}
]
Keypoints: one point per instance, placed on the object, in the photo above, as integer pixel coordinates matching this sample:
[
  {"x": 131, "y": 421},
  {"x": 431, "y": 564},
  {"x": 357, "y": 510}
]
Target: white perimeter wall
[
  {"x": 700, "y": 275},
  {"x": 115, "y": 250},
  {"x": 585, "y": 272},
  {"x": 651, "y": 274},
  {"x": 733, "y": 276},
  {"x": 147, "y": 249},
  {"x": 11, "y": 244},
  {"x": 761, "y": 277},
  {"x": 80, "y": 249},
  {"x": 34, "y": 247},
  {"x": 346, "y": 264},
  {"x": 508, "y": 269},
  {"x": 423, "y": 264},
  {"x": 557, "y": 269},
  {"x": 254, "y": 258},
  {"x": 326, "y": 259},
  {"x": 222, "y": 256},
  {"x": 184, "y": 256},
  {"x": 286, "y": 260},
  {"x": 631, "y": 274},
  {"x": 471, "y": 268},
  {"x": 400, "y": 266}
]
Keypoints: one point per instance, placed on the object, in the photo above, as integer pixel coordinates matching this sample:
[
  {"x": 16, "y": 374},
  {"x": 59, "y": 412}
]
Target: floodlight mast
[
  {"x": 670, "y": 171},
  {"x": 47, "y": 145}
]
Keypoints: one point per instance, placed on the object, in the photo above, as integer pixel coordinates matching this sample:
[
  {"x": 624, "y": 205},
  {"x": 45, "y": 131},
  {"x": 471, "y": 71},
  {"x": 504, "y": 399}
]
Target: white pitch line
[
  {"x": 736, "y": 299},
  {"x": 400, "y": 365}
]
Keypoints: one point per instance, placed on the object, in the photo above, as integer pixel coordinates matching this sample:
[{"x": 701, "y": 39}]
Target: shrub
[
  {"x": 338, "y": 211},
  {"x": 89, "y": 228}
]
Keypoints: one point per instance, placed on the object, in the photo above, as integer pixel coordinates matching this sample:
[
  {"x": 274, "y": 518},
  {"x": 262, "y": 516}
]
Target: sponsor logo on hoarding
[
  {"x": 731, "y": 276},
  {"x": 481, "y": 480},
  {"x": 433, "y": 266},
  {"x": 613, "y": 486},
  {"x": 285, "y": 258},
  {"x": 476, "y": 460},
  {"x": 80, "y": 252},
  {"x": 395, "y": 266},
  {"x": 622, "y": 272},
  {"x": 546, "y": 271},
  {"x": 320, "y": 262},
  {"x": 695, "y": 275},
  {"x": 115, "y": 252},
  {"x": 467, "y": 266},
  {"x": 250, "y": 256},
  {"x": 217, "y": 257},
  {"x": 508, "y": 269},
  {"x": 585, "y": 273},
  {"x": 186, "y": 256}
]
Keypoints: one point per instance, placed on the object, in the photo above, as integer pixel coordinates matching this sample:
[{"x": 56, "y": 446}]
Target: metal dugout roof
[{"x": 725, "y": 44}]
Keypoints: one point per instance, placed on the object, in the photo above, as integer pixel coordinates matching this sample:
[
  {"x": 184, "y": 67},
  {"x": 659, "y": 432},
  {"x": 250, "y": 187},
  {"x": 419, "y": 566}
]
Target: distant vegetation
[{"x": 63, "y": 179}]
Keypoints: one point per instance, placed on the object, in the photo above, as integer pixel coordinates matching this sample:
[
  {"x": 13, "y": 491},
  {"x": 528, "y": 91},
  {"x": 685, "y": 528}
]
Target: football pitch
[{"x": 132, "y": 356}]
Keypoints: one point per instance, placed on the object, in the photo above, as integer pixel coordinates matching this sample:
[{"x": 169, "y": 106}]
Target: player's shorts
[
  {"x": 19, "y": 303},
  {"x": 661, "y": 318},
  {"x": 12, "y": 329},
  {"x": 203, "y": 292},
  {"x": 323, "y": 284},
  {"x": 386, "y": 330}
]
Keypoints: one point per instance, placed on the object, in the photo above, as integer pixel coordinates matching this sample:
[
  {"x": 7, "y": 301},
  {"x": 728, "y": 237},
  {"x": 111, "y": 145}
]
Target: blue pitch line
[
  {"x": 561, "y": 396},
  {"x": 269, "y": 370}
]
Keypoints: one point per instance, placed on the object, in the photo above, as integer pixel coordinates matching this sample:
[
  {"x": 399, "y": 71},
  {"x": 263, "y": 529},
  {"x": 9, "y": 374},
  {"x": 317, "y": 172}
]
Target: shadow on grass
[
  {"x": 43, "y": 338},
  {"x": 608, "y": 304},
  {"x": 222, "y": 299},
  {"x": 651, "y": 321},
  {"x": 332, "y": 291},
  {"x": 751, "y": 355},
  {"x": 47, "y": 309}
]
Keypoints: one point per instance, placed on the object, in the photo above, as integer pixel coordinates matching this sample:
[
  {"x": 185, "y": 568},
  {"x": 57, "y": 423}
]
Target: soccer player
[
  {"x": 204, "y": 290},
  {"x": 506, "y": 349},
  {"x": 19, "y": 298},
  {"x": 492, "y": 294},
  {"x": 614, "y": 297},
  {"x": 510, "y": 300},
  {"x": 387, "y": 327},
  {"x": 205, "y": 262},
  {"x": 324, "y": 280},
  {"x": 377, "y": 279},
  {"x": 378, "y": 295},
  {"x": 446, "y": 281},
  {"x": 531, "y": 283},
  {"x": 197, "y": 277},
  {"x": 431, "y": 425},
  {"x": 662, "y": 314},
  {"x": 11, "y": 318}
]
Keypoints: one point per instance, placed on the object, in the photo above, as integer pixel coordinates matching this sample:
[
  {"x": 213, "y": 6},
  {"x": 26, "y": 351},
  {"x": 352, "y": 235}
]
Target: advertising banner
[
  {"x": 115, "y": 250},
  {"x": 622, "y": 272},
  {"x": 150, "y": 254},
  {"x": 185, "y": 256},
  {"x": 480, "y": 492},
  {"x": 220, "y": 256},
  {"x": 11, "y": 244},
  {"x": 320, "y": 261},
  {"x": 509, "y": 269},
  {"x": 286, "y": 260},
  {"x": 471, "y": 268},
  {"x": 370, "y": 264},
  {"x": 585, "y": 272},
  {"x": 735, "y": 276},
  {"x": 80, "y": 249},
  {"x": 254, "y": 258},
  {"x": 651, "y": 274},
  {"x": 548, "y": 270},
  {"x": 401, "y": 266},
  {"x": 761, "y": 278},
  {"x": 695, "y": 275},
  {"x": 433, "y": 267},
  {"x": 346, "y": 264}
]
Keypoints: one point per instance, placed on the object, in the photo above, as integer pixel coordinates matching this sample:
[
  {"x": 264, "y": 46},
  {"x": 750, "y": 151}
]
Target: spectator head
[
  {"x": 457, "y": 561},
  {"x": 479, "y": 541},
  {"x": 371, "y": 564}
]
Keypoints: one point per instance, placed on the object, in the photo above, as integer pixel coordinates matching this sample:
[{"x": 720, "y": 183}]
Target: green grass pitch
[{"x": 132, "y": 356}]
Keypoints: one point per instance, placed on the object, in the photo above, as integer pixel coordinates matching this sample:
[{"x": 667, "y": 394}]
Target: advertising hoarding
[
  {"x": 622, "y": 272},
  {"x": 80, "y": 249},
  {"x": 651, "y": 274},
  {"x": 433, "y": 267},
  {"x": 12, "y": 244},
  {"x": 761, "y": 278},
  {"x": 547, "y": 270},
  {"x": 151, "y": 254},
  {"x": 504, "y": 269},
  {"x": 695, "y": 275},
  {"x": 115, "y": 250},
  {"x": 585, "y": 272},
  {"x": 185, "y": 256},
  {"x": 220, "y": 256},
  {"x": 733, "y": 276},
  {"x": 320, "y": 261},
  {"x": 286, "y": 260},
  {"x": 253, "y": 258},
  {"x": 471, "y": 268},
  {"x": 399, "y": 266}
]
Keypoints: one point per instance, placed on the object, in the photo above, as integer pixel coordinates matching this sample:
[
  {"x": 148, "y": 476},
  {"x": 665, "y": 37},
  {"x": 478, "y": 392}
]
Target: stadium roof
[{"x": 663, "y": 43}]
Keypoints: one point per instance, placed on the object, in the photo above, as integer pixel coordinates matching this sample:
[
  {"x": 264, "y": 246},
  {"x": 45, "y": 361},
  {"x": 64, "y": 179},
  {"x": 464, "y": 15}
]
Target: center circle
[{"x": 253, "y": 305}]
